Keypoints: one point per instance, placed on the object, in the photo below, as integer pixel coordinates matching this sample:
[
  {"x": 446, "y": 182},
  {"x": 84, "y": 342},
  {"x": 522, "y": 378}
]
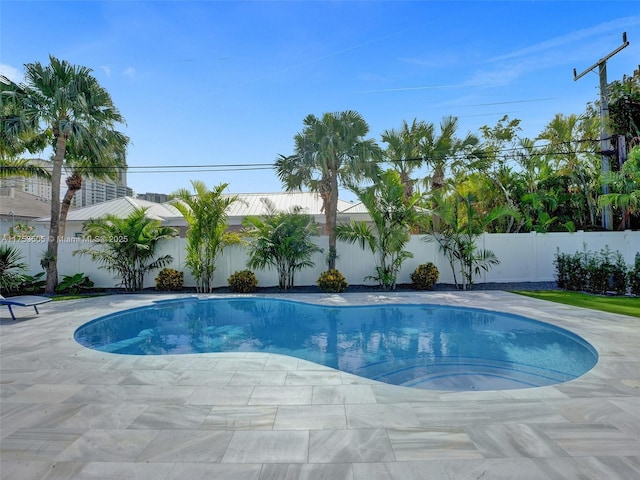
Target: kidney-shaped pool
[{"x": 423, "y": 346}]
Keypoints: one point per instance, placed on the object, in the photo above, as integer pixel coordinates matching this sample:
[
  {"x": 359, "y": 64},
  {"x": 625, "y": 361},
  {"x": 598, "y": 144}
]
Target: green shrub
[
  {"x": 425, "y": 276},
  {"x": 620, "y": 275},
  {"x": 169, "y": 279},
  {"x": 12, "y": 268},
  {"x": 73, "y": 284},
  {"x": 243, "y": 281},
  {"x": 634, "y": 276},
  {"x": 332, "y": 281},
  {"x": 30, "y": 285},
  {"x": 599, "y": 273}
]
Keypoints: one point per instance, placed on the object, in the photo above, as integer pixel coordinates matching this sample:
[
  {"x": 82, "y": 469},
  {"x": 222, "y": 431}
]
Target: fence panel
[{"x": 525, "y": 257}]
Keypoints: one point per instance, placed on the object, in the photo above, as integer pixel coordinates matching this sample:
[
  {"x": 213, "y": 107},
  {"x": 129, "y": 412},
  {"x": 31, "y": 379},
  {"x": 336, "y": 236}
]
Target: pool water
[{"x": 421, "y": 346}]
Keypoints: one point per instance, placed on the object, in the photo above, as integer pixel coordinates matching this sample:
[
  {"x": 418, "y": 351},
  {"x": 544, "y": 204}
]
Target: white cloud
[
  {"x": 616, "y": 26},
  {"x": 106, "y": 69},
  {"x": 434, "y": 61},
  {"x": 129, "y": 72},
  {"x": 11, "y": 73}
]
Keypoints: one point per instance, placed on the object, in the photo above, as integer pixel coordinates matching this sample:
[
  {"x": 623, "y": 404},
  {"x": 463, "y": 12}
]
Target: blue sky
[{"x": 209, "y": 83}]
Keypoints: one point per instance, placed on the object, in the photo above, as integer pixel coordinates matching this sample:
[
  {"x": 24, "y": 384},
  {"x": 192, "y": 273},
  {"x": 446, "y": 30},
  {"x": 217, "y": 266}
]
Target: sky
[{"x": 215, "y": 90}]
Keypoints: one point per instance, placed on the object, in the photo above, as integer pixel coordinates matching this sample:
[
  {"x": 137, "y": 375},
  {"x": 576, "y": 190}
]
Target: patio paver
[{"x": 72, "y": 413}]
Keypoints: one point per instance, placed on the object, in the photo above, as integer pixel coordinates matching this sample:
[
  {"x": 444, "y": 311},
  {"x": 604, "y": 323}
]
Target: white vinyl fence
[{"x": 524, "y": 257}]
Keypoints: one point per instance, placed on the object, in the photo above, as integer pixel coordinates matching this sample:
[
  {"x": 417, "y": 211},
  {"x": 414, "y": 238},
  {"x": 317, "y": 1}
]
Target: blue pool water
[{"x": 422, "y": 346}]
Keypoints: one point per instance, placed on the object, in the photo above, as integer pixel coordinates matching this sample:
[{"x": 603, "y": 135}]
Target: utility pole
[{"x": 605, "y": 144}]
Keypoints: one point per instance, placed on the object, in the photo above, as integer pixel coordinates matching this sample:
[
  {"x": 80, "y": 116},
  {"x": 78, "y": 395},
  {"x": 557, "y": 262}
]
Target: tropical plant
[
  {"x": 62, "y": 102},
  {"x": 127, "y": 246},
  {"x": 332, "y": 281},
  {"x": 405, "y": 150},
  {"x": 31, "y": 284},
  {"x": 446, "y": 150},
  {"x": 392, "y": 219},
  {"x": 82, "y": 162},
  {"x": 74, "y": 284},
  {"x": 22, "y": 167},
  {"x": 624, "y": 106},
  {"x": 206, "y": 214},
  {"x": 461, "y": 224},
  {"x": 572, "y": 149},
  {"x": 243, "y": 281},
  {"x": 170, "y": 279},
  {"x": 22, "y": 231},
  {"x": 14, "y": 143},
  {"x": 330, "y": 151},
  {"x": 12, "y": 267},
  {"x": 492, "y": 167},
  {"x": 625, "y": 184},
  {"x": 634, "y": 276},
  {"x": 425, "y": 276},
  {"x": 281, "y": 240}
]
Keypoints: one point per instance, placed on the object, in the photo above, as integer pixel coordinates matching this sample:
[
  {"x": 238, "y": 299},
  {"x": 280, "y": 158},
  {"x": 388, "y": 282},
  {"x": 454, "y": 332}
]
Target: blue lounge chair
[{"x": 23, "y": 301}]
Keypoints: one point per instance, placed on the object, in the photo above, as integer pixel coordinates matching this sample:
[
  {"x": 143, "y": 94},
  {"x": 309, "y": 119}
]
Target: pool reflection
[{"x": 422, "y": 346}]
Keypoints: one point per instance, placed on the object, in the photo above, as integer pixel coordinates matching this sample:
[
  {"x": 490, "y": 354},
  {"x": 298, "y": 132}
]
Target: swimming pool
[{"x": 421, "y": 346}]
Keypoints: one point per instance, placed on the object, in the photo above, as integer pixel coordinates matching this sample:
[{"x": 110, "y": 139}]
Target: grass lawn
[{"x": 623, "y": 305}]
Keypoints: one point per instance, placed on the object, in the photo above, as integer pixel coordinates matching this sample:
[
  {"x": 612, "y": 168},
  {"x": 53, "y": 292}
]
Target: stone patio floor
[{"x": 68, "y": 412}]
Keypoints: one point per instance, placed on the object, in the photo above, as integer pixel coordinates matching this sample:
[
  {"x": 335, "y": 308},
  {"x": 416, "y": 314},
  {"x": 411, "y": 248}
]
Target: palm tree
[
  {"x": 206, "y": 215},
  {"x": 22, "y": 167},
  {"x": 626, "y": 186},
  {"x": 66, "y": 102},
  {"x": 404, "y": 151},
  {"x": 127, "y": 246},
  {"x": 14, "y": 144},
  {"x": 392, "y": 218},
  {"x": 329, "y": 152},
  {"x": 282, "y": 240},
  {"x": 461, "y": 224},
  {"x": 82, "y": 164},
  {"x": 572, "y": 149},
  {"x": 440, "y": 150}
]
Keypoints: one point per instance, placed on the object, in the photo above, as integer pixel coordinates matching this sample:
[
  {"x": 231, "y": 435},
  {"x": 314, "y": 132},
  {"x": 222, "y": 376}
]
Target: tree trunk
[
  {"x": 326, "y": 195},
  {"x": 332, "y": 218},
  {"x": 51, "y": 262},
  {"x": 74, "y": 184}
]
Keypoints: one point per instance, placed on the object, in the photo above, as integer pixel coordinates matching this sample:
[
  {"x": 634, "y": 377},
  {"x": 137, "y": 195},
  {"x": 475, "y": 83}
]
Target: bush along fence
[
  {"x": 603, "y": 272},
  {"x": 528, "y": 257}
]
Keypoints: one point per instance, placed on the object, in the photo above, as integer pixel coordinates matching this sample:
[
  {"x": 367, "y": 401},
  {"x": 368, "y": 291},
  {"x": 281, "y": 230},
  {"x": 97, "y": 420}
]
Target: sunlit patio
[{"x": 68, "y": 412}]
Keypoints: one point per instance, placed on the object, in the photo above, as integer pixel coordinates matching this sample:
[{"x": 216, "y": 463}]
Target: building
[
  {"x": 38, "y": 187},
  {"x": 153, "y": 197},
  {"x": 93, "y": 191},
  {"x": 18, "y": 206}
]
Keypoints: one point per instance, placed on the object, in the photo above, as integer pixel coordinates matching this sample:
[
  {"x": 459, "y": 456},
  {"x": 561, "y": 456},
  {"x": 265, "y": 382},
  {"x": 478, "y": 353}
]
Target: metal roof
[
  {"x": 121, "y": 207},
  {"x": 253, "y": 203},
  {"x": 247, "y": 204}
]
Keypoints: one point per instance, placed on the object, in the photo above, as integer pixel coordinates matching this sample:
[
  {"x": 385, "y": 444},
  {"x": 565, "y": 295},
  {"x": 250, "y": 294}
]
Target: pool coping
[{"x": 67, "y": 410}]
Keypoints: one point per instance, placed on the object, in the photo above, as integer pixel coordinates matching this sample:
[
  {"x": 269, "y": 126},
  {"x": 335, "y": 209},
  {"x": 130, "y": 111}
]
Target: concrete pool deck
[{"x": 68, "y": 412}]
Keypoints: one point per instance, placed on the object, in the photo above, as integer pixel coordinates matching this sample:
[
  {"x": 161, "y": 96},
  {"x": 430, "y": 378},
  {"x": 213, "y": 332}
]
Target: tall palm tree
[
  {"x": 330, "y": 151},
  {"x": 404, "y": 151},
  {"x": 67, "y": 101},
  {"x": 206, "y": 214},
  {"x": 84, "y": 164},
  {"x": 440, "y": 150}
]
